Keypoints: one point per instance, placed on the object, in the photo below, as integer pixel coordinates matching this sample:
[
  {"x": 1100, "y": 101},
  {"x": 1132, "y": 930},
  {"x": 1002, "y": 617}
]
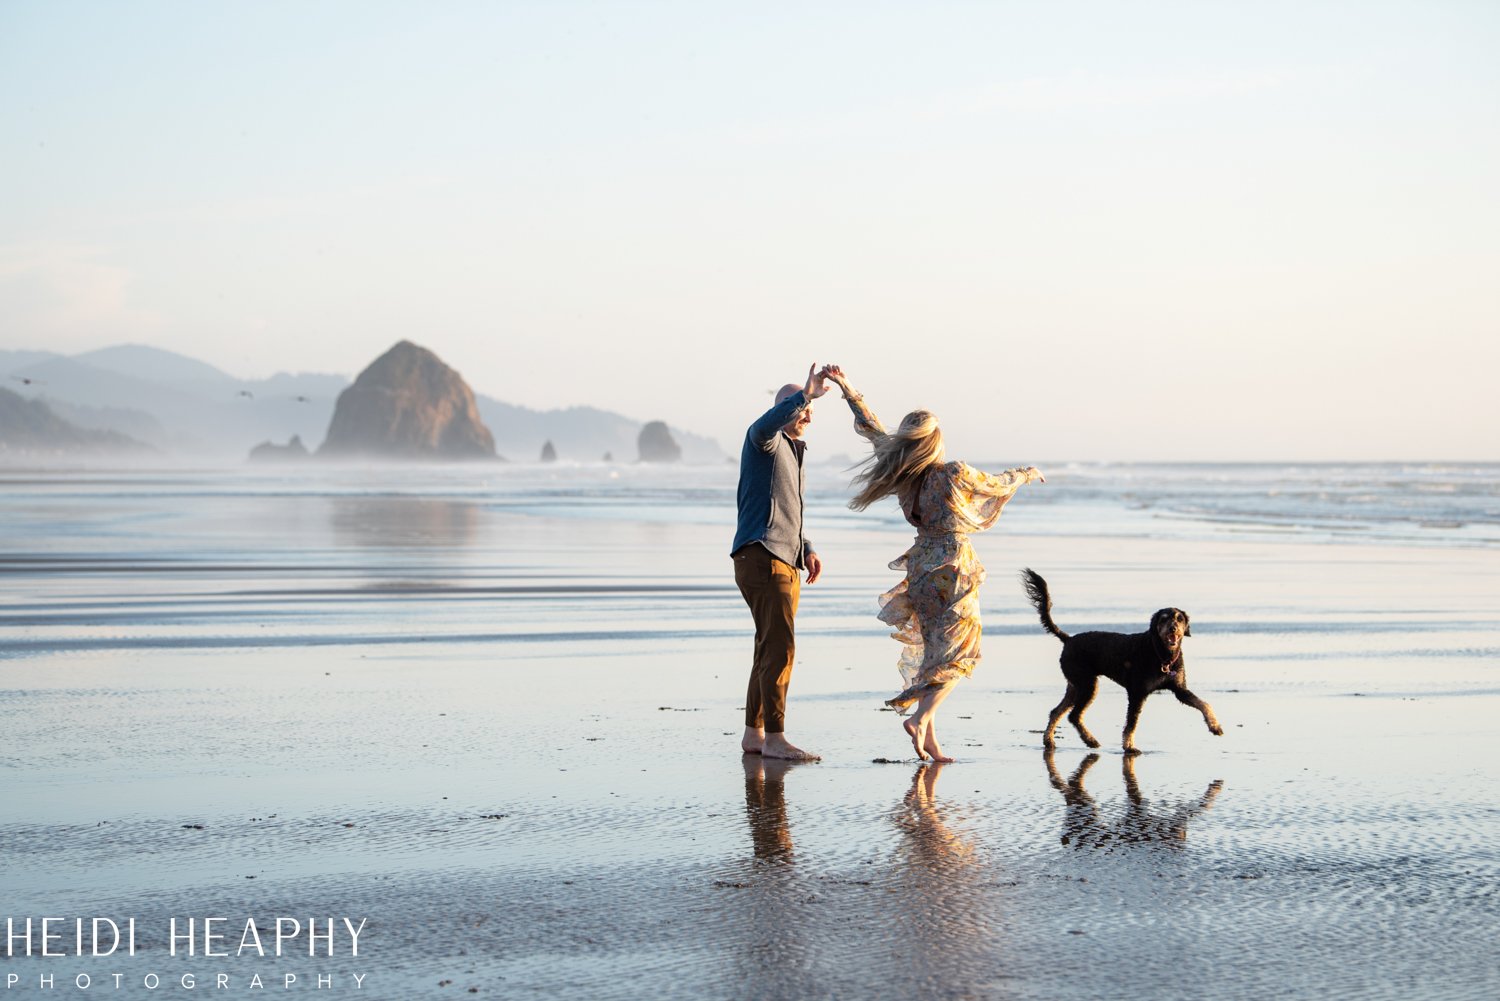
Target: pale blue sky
[{"x": 1076, "y": 230}]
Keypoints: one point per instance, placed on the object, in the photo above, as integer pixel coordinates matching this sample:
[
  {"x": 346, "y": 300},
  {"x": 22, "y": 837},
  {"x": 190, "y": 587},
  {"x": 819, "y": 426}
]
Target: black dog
[{"x": 1141, "y": 663}]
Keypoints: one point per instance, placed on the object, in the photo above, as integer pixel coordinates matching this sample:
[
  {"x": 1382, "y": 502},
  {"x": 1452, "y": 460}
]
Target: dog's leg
[
  {"x": 1082, "y": 816},
  {"x": 1084, "y": 697},
  {"x": 1076, "y": 781},
  {"x": 1132, "y": 786},
  {"x": 1049, "y": 741},
  {"x": 1132, "y": 717},
  {"x": 1187, "y": 698},
  {"x": 1053, "y": 775}
]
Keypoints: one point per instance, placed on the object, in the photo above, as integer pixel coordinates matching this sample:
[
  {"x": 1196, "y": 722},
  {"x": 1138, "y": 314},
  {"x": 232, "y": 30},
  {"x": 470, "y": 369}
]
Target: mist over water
[{"x": 339, "y": 554}]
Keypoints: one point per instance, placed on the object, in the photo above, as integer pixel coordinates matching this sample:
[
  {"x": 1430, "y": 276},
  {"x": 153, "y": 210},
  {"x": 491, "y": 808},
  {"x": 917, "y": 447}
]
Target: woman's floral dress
[{"x": 935, "y": 609}]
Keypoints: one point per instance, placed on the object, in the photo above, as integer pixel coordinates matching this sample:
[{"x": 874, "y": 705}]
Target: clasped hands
[{"x": 818, "y": 379}]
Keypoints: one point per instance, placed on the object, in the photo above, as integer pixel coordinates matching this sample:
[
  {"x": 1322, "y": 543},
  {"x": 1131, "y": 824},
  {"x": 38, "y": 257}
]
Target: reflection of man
[
  {"x": 765, "y": 806},
  {"x": 769, "y": 551}
]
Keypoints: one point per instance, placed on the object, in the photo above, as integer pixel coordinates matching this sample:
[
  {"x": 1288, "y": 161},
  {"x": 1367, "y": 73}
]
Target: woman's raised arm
[{"x": 866, "y": 424}]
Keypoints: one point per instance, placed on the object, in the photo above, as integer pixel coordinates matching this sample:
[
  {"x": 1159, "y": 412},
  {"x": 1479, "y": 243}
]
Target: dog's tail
[{"x": 1036, "y": 590}]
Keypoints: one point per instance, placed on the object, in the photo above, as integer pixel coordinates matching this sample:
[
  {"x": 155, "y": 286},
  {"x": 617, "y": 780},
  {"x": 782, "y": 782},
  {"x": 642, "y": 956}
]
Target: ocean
[{"x": 494, "y": 710}]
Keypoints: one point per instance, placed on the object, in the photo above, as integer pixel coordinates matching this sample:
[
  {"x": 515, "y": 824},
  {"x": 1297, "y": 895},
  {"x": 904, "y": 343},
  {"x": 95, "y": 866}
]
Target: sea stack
[
  {"x": 269, "y": 451},
  {"x": 408, "y": 405},
  {"x": 657, "y": 444}
]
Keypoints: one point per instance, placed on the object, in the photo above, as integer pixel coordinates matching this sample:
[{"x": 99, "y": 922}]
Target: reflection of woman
[
  {"x": 943, "y": 884},
  {"x": 935, "y": 609},
  {"x": 934, "y": 845}
]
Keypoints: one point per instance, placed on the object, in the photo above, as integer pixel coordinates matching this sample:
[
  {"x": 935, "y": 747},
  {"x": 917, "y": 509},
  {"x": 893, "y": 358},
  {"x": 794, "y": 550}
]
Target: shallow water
[{"x": 496, "y": 714}]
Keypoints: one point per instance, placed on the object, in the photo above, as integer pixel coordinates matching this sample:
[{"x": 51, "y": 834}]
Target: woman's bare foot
[
  {"x": 777, "y": 746},
  {"x": 931, "y": 745},
  {"x": 914, "y": 731},
  {"x": 753, "y": 740}
]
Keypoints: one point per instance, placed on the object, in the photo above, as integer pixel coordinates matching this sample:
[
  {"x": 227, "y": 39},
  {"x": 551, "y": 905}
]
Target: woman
[{"x": 935, "y": 610}]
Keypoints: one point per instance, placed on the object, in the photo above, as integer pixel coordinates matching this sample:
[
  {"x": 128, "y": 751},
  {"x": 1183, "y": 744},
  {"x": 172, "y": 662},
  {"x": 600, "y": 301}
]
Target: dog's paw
[
  {"x": 1216, "y": 729},
  {"x": 1091, "y": 742}
]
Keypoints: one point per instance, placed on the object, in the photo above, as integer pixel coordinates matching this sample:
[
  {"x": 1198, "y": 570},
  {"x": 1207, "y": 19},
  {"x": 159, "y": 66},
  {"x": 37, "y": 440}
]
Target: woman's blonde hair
[{"x": 899, "y": 460}]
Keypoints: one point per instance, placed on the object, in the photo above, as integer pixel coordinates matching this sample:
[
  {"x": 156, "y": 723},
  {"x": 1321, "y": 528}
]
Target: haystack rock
[
  {"x": 657, "y": 444},
  {"x": 549, "y": 453},
  {"x": 408, "y": 405}
]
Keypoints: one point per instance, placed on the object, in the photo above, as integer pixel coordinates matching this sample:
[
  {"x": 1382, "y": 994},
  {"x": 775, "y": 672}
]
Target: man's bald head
[{"x": 794, "y": 427}]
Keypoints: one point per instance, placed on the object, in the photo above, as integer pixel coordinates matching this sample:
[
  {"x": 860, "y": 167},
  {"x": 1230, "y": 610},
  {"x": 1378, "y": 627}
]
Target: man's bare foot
[
  {"x": 753, "y": 740},
  {"x": 914, "y": 731},
  {"x": 777, "y": 746}
]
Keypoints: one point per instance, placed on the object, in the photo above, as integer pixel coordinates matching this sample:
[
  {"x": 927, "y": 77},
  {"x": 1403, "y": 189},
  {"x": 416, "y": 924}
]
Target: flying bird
[
  {"x": 27, "y": 381},
  {"x": 246, "y": 393}
]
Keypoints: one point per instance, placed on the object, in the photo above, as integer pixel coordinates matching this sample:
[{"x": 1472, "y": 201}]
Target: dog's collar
[{"x": 1167, "y": 662}]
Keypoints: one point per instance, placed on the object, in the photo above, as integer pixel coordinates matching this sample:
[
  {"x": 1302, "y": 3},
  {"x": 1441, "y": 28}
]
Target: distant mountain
[
  {"x": 579, "y": 434},
  {"x": 29, "y": 428},
  {"x": 10, "y": 361},
  {"x": 135, "y": 423},
  {"x": 96, "y": 392},
  {"x": 142, "y": 362},
  {"x": 182, "y": 405},
  {"x": 207, "y": 413},
  {"x": 311, "y": 387}
]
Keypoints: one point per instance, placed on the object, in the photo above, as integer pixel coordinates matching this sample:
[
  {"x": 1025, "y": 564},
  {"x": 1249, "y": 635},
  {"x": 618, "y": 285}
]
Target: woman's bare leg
[
  {"x": 915, "y": 733},
  {"x": 922, "y": 725}
]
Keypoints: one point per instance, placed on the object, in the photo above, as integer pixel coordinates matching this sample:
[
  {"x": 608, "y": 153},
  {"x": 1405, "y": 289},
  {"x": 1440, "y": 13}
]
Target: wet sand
[{"x": 514, "y": 753}]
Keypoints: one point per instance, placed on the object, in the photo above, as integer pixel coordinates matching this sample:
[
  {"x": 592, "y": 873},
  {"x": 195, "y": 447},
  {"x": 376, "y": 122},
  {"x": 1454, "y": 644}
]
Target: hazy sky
[{"x": 1107, "y": 230}]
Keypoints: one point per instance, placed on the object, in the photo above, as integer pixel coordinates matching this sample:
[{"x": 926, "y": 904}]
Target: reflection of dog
[
  {"x": 1140, "y": 823},
  {"x": 1141, "y": 663}
]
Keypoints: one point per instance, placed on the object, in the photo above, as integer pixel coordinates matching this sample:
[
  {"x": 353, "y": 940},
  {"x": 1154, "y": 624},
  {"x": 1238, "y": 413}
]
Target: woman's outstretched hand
[
  {"x": 1034, "y": 475},
  {"x": 836, "y": 374}
]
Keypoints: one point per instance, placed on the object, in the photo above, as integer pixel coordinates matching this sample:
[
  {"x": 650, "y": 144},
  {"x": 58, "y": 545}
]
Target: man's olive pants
[{"x": 771, "y": 589}]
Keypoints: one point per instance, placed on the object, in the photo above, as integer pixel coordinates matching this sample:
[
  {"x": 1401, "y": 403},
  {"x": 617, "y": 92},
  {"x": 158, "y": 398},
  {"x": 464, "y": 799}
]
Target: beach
[{"x": 493, "y": 713}]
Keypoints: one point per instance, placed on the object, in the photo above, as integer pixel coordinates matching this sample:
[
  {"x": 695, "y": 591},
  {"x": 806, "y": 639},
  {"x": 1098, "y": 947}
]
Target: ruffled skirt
[{"x": 934, "y": 612}]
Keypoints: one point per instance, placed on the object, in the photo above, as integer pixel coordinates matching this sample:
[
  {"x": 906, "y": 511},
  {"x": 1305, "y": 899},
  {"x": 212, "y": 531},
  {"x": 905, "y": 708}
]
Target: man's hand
[
  {"x": 816, "y": 384},
  {"x": 814, "y": 567}
]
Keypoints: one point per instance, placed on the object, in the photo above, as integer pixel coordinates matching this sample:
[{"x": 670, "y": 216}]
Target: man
[{"x": 769, "y": 551}]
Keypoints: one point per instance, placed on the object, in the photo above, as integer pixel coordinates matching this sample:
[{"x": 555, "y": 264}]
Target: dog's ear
[{"x": 1187, "y": 625}]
